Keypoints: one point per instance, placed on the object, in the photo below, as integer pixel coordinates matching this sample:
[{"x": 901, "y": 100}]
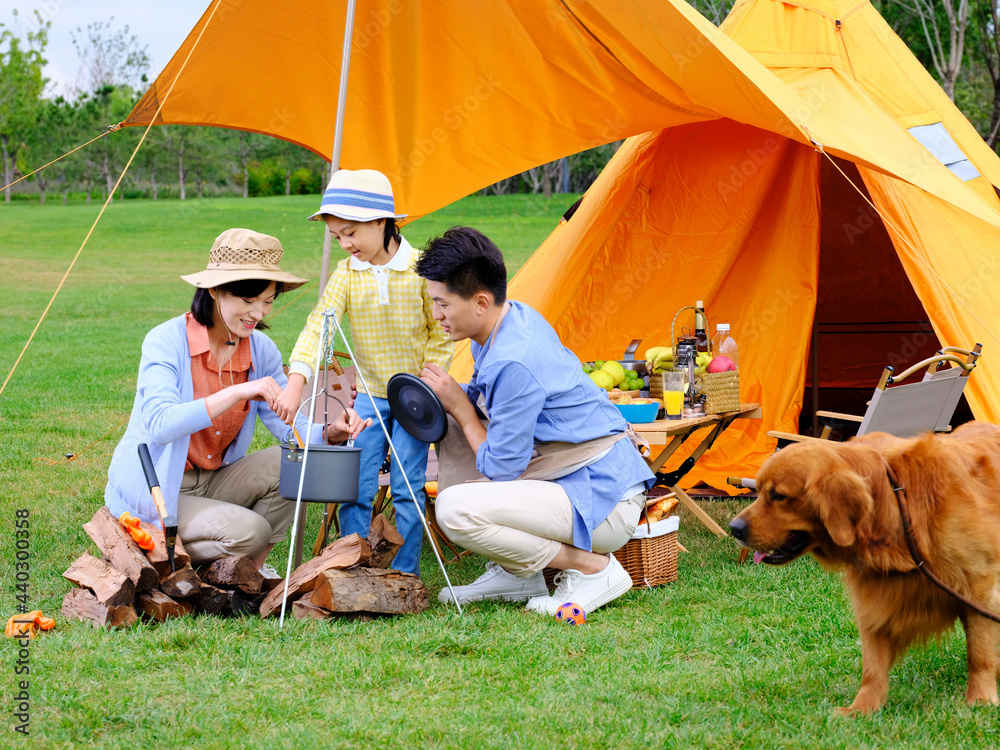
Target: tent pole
[
  {"x": 338, "y": 133},
  {"x": 814, "y": 354},
  {"x": 338, "y": 136}
]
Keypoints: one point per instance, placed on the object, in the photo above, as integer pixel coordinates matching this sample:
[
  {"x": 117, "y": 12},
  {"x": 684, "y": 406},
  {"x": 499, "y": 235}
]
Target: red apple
[{"x": 721, "y": 364}]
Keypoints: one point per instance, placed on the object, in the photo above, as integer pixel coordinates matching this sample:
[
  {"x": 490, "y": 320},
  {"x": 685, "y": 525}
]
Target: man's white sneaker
[
  {"x": 497, "y": 583},
  {"x": 587, "y": 591}
]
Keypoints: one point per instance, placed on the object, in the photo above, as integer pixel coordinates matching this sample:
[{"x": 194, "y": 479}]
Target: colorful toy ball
[{"x": 571, "y": 614}]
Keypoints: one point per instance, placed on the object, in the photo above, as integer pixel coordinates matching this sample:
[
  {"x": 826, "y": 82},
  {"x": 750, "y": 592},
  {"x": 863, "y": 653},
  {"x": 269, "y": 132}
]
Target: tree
[
  {"x": 984, "y": 26},
  {"x": 242, "y": 150},
  {"x": 174, "y": 140},
  {"x": 55, "y": 133},
  {"x": 109, "y": 58},
  {"x": 714, "y": 10},
  {"x": 21, "y": 85},
  {"x": 941, "y": 20},
  {"x": 107, "y": 106}
]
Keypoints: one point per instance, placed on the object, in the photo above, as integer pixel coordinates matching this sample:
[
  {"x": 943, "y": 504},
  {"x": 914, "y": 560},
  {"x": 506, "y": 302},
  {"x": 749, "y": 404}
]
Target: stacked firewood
[{"x": 127, "y": 583}]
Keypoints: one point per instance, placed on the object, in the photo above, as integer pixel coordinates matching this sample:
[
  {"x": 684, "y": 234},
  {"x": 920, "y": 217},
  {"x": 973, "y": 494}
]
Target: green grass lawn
[{"x": 728, "y": 656}]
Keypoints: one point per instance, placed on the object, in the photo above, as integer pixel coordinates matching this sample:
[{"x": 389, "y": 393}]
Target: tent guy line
[
  {"x": 107, "y": 201},
  {"x": 111, "y": 128}
]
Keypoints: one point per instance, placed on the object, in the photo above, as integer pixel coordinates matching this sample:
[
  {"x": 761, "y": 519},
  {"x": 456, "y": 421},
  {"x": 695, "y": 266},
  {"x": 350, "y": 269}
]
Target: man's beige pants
[
  {"x": 520, "y": 524},
  {"x": 234, "y": 510}
]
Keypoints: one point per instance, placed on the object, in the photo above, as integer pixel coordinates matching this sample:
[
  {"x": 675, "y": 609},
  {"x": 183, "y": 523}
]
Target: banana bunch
[{"x": 659, "y": 359}]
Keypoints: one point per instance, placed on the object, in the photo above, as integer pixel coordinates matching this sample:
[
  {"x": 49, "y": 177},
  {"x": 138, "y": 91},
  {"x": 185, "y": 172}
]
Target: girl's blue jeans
[{"x": 412, "y": 456}]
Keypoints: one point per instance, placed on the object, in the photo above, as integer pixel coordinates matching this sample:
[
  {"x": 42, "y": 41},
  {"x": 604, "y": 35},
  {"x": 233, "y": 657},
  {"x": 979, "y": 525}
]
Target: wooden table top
[{"x": 665, "y": 428}]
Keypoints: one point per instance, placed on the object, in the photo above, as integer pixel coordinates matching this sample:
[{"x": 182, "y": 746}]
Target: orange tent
[
  {"x": 723, "y": 198},
  {"x": 770, "y": 233}
]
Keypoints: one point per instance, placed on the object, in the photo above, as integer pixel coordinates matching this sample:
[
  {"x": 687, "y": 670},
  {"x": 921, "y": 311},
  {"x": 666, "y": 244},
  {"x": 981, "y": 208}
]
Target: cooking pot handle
[{"x": 630, "y": 352}]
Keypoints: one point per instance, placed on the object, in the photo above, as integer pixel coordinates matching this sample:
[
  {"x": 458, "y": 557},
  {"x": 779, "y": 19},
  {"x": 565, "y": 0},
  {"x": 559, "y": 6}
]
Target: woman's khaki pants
[{"x": 234, "y": 510}]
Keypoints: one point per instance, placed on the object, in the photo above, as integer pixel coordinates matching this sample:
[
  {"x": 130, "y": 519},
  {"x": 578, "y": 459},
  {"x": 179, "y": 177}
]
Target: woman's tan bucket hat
[{"x": 240, "y": 254}]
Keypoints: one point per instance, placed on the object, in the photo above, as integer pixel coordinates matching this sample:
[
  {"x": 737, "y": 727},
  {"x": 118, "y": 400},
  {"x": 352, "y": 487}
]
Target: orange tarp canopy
[{"x": 447, "y": 96}]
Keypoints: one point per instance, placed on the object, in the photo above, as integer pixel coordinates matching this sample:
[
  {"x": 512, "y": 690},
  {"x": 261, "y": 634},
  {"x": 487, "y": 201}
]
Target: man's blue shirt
[{"x": 535, "y": 391}]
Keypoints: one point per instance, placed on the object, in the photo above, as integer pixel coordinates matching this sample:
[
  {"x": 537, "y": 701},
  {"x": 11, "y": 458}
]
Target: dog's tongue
[{"x": 758, "y": 557}]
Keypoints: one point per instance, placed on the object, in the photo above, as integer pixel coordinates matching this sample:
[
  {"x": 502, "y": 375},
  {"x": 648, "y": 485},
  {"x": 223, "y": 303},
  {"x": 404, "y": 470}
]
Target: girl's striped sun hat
[{"x": 358, "y": 195}]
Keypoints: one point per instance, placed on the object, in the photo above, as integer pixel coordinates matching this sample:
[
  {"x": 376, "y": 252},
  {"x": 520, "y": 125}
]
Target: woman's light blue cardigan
[{"x": 165, "y": 415}]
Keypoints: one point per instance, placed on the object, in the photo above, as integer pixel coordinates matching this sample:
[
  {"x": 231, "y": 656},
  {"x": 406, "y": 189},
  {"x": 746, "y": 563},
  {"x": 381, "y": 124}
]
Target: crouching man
[{"x": 565, "y": 482}]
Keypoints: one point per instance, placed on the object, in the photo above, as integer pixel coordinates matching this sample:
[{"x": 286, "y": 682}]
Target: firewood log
[
  {"x": 185, "y": 582},
  {"x": 234, "y": 572},
  {"x": 156, "y": 605},
  {"x": 238, "y": 604},
  {"x": 211, "y": 599},
  {"x": 270, "y": 581},
  {"x": 82, "y": 604},
  {"x": 125, "y": 555},
  {"x": 370, "y": 590},
  {"x": 158, "y": 555},
  {"x": 111, "y": 587},
  {"x": 385, "y": 542},
  {"x": 346, "y": 552},
  {"x": 303, "y": 609}
]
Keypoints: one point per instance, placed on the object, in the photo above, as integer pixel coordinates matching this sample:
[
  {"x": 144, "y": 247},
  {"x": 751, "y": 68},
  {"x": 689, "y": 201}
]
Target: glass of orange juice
[{"x": 673, "y": 394}]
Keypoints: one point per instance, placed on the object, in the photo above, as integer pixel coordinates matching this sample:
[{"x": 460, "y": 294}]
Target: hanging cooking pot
[
  {"x": 331, "y": 470},
  {"x": 331, "y": 473}
]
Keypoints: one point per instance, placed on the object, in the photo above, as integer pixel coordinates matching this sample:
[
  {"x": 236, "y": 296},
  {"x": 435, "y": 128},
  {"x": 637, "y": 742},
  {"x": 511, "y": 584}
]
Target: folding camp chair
[{"x": 907, "y": 410}]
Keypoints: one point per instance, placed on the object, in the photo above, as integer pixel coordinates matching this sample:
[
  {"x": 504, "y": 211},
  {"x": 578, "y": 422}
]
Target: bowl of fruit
[{"x": 640, "y": 411}]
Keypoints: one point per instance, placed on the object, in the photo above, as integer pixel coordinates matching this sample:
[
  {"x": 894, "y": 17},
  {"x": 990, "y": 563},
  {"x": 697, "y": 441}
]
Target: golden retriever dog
[{"x": 835, "y": 501}]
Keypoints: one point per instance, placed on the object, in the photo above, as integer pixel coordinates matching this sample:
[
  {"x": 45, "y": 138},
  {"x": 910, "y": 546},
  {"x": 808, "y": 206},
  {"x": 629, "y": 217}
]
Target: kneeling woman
[{"x": 204, "y": 378}]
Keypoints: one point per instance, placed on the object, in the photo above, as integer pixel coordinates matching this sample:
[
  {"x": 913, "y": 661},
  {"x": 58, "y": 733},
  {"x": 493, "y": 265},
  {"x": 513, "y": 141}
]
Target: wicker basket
[
  {"x": 722, "y": 391},
  {"x": 651, "y": 560},
  {"x": 656, "y": 385}
]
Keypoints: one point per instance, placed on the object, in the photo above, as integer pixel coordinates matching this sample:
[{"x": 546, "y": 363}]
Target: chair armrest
[
  {"x": 792, "y": 437},
  {"x": 838, "y": 415}
]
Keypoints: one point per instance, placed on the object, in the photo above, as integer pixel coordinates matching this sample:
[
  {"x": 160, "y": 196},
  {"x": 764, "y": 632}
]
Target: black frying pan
[{"x": 417, "y": 407}]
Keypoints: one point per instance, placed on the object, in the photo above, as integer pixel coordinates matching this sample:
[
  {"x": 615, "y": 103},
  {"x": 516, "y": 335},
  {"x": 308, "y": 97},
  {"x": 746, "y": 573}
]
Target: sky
[{"x": 159, "y": 25}]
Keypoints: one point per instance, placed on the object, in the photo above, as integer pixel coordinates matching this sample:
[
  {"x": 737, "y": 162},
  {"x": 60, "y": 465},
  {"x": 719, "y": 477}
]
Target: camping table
[{"x": 671, "y": 433}]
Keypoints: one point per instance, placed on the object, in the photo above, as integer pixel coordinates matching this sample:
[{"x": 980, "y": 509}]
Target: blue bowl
[{"x": 639, "y": 413}]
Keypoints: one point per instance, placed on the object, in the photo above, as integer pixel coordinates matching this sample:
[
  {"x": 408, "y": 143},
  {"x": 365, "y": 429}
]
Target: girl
[{"x": 393, "y": 330}]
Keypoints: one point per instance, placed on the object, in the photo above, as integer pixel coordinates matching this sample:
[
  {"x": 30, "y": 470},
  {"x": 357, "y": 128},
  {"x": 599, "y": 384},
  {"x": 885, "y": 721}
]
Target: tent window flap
[{"x": 936, "y": 139}]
